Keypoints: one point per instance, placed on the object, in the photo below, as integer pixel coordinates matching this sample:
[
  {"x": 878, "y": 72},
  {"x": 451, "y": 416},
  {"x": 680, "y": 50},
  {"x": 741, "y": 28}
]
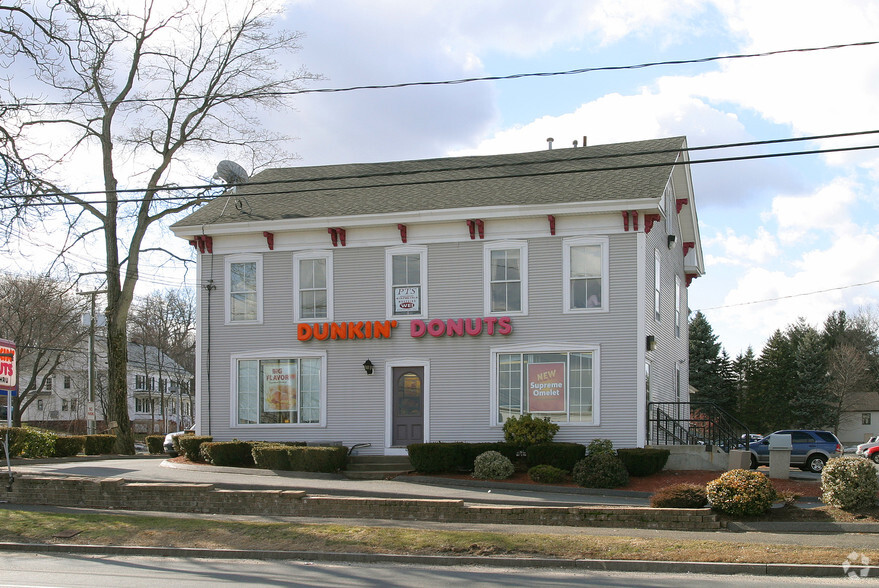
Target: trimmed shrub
[
  {"x": 525, "y": 430},
  {"x": 435, "y": 458},
  {"x": 642, "y": 462},
  {"x": 99, "y": 444},
  {"x": 563, "y": 456},
  {"x": 741, "y": 492},
  {"x": 600, "y": 470},
  {"x": 680, "y": 496},
  {"x": 227, "y": 453},
  {"x": 597, "y": 446},
  {"x": 547, "y": 474},
  {"x": 28, "y": 442},
  {"x": 69, "y": 446},
  {"x": 849, "y": 483},
  {"x": 491, "y": 465},
  {"x": 327, "y": 460},
  {"x": 155, "y": 444},
  {"x": 271, "y": 456},
  {"x": 190, "y": 445}
]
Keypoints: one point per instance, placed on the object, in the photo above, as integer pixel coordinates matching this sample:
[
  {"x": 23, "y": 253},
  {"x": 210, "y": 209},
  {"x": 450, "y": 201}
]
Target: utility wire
[
  {"x": 409, "y": 173},
  {"x": 459, "y": 81},
  {"x": 789, "y": 296}
]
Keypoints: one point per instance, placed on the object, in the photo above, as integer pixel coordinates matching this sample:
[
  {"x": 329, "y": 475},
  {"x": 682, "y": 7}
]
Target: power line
[
  {"x": 409, "y": 173},
  {"x": 789, "y": 296},
  {"x": 459, "y": 81}
]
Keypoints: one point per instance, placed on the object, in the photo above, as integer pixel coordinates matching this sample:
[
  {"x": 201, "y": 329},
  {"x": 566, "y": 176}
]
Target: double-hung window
[
  {"x": 406, "y": 278},
  {"x": 244, "y": 289},
  {"x": 657, "y": 285},
  {"x": 280, "y": 390},
  {"x": 313, "y": 286},
  {"x": 506, "y": 275},
  {"x": 678, "y": 317},
  {"x": 555, "y": 382},
  {"x": 585, "y": 272}
]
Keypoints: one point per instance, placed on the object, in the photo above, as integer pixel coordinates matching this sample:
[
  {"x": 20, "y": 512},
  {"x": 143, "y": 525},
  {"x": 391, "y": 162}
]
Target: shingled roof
[{"x": 602, "y": 172}]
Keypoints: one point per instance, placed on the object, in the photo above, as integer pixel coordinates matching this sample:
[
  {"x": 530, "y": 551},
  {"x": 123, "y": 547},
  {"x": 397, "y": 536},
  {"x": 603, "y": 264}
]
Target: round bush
[
  {"x": 547, "y": 474},
  {"x": 600, "y": 470},
  {"x": 679, "y": 496},
  {"x": 526, "y": 430},
  {"x": 741, "y": 492},
  {"x": 849, "y": 483},
  {"x": 597, "y": 446},
  {"x": 491, "y": 465}
]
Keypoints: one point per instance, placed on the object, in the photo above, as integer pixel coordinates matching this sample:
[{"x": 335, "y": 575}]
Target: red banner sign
[{"x": 546, "y": 387}]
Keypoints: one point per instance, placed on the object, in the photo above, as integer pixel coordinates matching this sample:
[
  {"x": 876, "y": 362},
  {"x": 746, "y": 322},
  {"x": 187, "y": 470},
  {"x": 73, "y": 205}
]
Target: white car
[
  {"x": 871, "y": 442},
  {"x": 168, "y": 445}
]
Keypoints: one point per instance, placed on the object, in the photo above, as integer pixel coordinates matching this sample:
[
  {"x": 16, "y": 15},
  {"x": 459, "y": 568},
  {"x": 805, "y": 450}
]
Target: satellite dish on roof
[{"x": 230, "y": 172}]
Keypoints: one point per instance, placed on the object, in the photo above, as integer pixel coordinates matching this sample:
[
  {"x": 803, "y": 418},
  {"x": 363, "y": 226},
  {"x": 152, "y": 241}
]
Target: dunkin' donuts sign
[{"x": 462, "y": 327}]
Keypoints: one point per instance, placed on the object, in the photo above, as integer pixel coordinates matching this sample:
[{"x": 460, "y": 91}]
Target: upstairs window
[
  {"x": 244, "y": 289},
  {"x": 406, "y": 275},
  {"x": 678, "y": 307},
  {"x": 313, "y": 286},
  {"x": 585, "y": 274},
  {"x": 506, "y": 271},
  {"x": 656, "y": 285}
]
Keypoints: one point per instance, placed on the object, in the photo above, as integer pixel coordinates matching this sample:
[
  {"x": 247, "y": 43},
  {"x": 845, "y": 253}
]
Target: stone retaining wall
[{"x": 116, "y": 493}]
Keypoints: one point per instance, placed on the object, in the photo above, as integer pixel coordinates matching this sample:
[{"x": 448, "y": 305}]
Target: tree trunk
[{"x": 117, "y": 356}]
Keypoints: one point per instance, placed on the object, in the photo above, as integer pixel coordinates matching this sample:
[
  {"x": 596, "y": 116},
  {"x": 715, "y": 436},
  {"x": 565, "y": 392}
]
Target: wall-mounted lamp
[
  {"x": 651, "y": 342},
  {"x": 367, "y": 365},
  {"x": 671, "y": 241}
]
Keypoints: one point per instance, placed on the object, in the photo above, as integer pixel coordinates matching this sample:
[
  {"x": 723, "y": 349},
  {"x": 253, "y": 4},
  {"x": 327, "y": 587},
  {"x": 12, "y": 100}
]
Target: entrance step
[{"x": 376, "y": 467}]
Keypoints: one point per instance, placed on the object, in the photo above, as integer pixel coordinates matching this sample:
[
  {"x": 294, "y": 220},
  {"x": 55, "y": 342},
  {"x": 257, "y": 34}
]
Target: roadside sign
[
  {"x": 7, "y": 365},
  {"x": 90, "y": 411}
]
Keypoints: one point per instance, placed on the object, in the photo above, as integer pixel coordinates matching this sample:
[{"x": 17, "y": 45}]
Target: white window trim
[
  {"x": 389, "y": 401},
  {"x": 567, "y": 244},
  {"x": 657, "y": 286},
  {"x": 522, "y": 246},
  {"x": 389, "y": 295},
  {"x": 550, "y": 348},
  {"x": 269, "y": 355},
  {"x": 678, "y": 311},
  {"x": 228, "y": 261},
  {"x": 304, "y": 256}
]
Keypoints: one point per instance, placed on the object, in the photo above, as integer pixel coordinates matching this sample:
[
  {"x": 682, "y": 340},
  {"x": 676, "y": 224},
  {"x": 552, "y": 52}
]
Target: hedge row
[
  {"x": 155, "y": 444},
  {"x": 30, "y": 442},
  {"x": 437, "y": 458},
  {"x": 326, "y": 460}
]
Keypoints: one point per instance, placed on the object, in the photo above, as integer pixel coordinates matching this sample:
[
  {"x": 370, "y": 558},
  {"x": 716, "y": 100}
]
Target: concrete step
[{"x": 376, "y": 467}]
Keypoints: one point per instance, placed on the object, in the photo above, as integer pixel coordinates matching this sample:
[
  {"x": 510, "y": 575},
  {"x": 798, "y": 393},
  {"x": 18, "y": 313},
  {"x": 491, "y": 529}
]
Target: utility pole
[{"x": 91, "y": 411}]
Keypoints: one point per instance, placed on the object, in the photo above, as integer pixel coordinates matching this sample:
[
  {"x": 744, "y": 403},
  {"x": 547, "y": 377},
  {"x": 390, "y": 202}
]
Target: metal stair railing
[{"x": 694, "y": 423}]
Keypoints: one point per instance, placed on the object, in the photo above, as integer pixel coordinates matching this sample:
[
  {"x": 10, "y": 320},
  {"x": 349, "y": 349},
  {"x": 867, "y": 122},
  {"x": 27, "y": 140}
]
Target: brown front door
[{"x": 408, "y": 408}]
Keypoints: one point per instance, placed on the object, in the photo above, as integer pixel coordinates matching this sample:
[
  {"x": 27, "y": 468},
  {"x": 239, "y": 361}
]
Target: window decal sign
[
  {"x": 406, "y": 300},
  {"x": 546, "y": 387},
  {"x": 279, "y": 386}
]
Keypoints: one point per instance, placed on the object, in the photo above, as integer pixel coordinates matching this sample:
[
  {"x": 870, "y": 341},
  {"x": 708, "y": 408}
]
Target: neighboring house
[
  {"x": 430, "y": 300},
  {"x": 860, "y": 419},
  {"x": 153, "y": 378}
]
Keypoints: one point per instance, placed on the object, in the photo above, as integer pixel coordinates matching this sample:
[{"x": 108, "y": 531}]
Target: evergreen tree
[
  {"x": 809, "y": 405},
  {"x": 775, "y": 383},
  {"x": 745, "y": 389},
  {"x": 705, "y": 364}
]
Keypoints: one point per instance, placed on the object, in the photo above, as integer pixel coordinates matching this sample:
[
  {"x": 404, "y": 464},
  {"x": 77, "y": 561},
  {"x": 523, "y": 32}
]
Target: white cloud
[
  {"x": 826, "y": 212},
  {"x": 738, "y": 250}
]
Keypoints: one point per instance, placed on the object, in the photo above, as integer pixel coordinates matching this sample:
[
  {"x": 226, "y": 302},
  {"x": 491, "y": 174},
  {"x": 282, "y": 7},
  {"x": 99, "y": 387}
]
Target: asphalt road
[{"x": 147, "y": 572}]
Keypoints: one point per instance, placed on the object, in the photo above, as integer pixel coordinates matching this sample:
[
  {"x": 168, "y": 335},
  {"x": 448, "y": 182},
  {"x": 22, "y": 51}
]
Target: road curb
[{"x": 671, "y": 567}]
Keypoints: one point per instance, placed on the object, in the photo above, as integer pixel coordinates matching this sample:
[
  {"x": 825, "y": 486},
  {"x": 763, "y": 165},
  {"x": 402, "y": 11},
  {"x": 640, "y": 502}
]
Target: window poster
[
  {"x": 546, "y": 387},
  {"x": 279, "y": 386},
  {"x": 406, "y": 300}
]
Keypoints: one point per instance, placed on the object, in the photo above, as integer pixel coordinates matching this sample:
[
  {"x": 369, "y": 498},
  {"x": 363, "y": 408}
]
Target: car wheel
[
  {"x": 875, "y": 457},
  {"x": 753, "y": 462},
  {"x": 816, "y": 463}
]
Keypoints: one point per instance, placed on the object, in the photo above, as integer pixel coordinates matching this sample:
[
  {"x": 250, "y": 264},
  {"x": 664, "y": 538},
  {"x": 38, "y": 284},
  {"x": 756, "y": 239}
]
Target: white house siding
[{"x": 459, "y": 385}]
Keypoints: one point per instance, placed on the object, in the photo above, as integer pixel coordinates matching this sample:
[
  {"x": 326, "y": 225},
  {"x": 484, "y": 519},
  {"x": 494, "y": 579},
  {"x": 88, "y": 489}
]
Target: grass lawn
[{"x": 100, "y": 529}]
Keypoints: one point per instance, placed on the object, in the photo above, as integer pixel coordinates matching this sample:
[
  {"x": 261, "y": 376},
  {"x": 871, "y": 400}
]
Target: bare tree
[
  {"x": 849, "y": 380},
  {"x": 142, "y": 94},
  {"x": 43, "y": 317}
]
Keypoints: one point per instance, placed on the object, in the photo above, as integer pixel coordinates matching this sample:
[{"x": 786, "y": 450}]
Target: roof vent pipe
[
  {"x": 575, "y": 143},
  {"x": 549, "y": 141},
  {"x": 584, "y": 140}
]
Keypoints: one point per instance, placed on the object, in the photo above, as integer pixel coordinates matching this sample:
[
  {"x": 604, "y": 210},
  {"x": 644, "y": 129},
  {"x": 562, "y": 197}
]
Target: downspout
[{"x": 210, "y": 287}]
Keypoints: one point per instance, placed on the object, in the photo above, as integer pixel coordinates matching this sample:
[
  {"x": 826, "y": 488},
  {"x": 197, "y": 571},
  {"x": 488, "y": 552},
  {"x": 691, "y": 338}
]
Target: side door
[{"x": 802, "y": 444}]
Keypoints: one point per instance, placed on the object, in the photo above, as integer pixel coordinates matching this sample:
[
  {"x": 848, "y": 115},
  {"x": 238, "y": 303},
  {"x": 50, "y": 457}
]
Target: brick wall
[{"x": 116, "y": 493}]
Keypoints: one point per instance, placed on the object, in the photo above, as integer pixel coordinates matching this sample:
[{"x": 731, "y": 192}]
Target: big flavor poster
[{"x": 279, "y": 386}]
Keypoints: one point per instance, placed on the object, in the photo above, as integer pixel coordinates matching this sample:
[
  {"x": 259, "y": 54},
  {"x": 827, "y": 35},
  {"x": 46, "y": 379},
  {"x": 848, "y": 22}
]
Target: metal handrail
[{"x": 694, "y": 423}]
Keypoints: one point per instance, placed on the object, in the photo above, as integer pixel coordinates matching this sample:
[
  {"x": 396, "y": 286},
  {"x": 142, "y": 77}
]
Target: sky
[{"x": 783, "y": 238}]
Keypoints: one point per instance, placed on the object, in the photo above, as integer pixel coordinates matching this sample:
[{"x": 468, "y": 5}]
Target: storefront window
[
  {"x": 279, "y": 391},
  {"x": 558, "y": 385}
]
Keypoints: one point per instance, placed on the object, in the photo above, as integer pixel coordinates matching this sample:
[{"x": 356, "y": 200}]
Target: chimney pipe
[
  {"x": 584, "y": 140},
  {"x": 549, "y": 141}
]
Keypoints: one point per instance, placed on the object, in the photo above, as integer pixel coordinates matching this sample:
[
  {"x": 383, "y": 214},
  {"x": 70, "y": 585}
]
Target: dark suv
[{"x": 810, "y": 450}]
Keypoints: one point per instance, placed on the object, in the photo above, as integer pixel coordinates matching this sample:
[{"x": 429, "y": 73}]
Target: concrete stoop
[{"x": 376, "y": 467}]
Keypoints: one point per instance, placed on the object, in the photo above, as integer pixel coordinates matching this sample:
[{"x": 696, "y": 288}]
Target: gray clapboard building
[{"x": 429, "y": 300}]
